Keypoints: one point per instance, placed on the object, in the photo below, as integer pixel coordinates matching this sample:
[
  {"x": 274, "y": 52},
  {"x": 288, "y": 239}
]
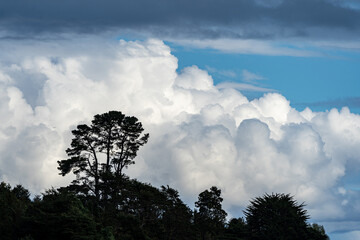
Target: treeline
[
  {"x": 102, "y": 203},
  {"x": 145, "y": 212}
]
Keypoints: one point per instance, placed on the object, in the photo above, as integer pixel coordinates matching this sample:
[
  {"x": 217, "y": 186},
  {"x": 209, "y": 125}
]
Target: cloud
[
  {"x": 243, "y": 87},
  {"x": 200, "y": 134},
  {"x": 225, "y": 73},
  {"x": 248, "y": 46},
  {"x": 214, "y": 19},
  {"x": 300, "y": 28},
  {"x": 251, "y": 77},
  {"x": 351, "y": 102}
]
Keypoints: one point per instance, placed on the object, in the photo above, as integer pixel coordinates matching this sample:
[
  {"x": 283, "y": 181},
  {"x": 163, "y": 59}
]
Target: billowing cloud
[{"x": 200, "y": 134}]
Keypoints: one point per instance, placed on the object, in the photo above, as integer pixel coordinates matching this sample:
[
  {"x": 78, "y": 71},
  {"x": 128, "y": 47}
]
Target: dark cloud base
[{"x": 201, "y": 19}]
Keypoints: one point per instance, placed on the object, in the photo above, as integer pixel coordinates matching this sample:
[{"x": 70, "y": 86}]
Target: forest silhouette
[{"x": 103, "y": 203}]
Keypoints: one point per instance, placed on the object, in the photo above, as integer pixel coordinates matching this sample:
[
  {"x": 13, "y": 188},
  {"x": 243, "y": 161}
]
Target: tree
[
  {"x": 317, "y": 232},
  {"x": 99, "y": 152},
  {"x": 210, "y": 217},
  {"x": 59, "y": 215},
  {"x": 236, "y": 229},
  {"x": 177, "y": 217},
  {"x": 276, "y": 216},
  {"x": 13, "y": 205},
  {"x": 146, "y": 203}
]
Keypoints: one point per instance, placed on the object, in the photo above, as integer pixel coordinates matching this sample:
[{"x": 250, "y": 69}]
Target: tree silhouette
[
  {"x": 59, "y": 215},
  {"x": 13, "y": 205},
  {"x": 99, "y": 152},
  {"x": 210, "y": 217},
  {"x": 177, "y": 217},
  {"x": 236, "y": 229},
  {"x": 146, "y": 213},
  {"x": 276, "y": 216},
  {"x": 317, "y": 232}
]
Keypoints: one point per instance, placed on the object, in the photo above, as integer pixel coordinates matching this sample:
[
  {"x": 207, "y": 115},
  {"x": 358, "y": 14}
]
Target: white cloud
[
  {"x": 250, "y": 46},
  {"x": 342, "y": 45},
  {"x": 225, "y": 73},
  {"x": 243, "y": 87},
  {"x": 200, "y": 134},
  {"x": 251, "y": 77},
  {"x": 194, "y": 78}
]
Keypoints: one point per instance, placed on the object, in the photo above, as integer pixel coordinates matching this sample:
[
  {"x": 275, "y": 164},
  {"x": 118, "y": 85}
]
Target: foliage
[
  {"x": 59, "y": 215},
  {"x": 276, "y": 216},
  {"x": 145, "y": 213},
  {"x": 145, "y": 203},
  {"x": 236, "y": 229},
  {"x": 210, "y": 217},
  {"x": 177, "y": 217},
  {"x": 99, "y": 152},
  {"x": 317, "y": 232},
  {"x": 13, "y": 205}
]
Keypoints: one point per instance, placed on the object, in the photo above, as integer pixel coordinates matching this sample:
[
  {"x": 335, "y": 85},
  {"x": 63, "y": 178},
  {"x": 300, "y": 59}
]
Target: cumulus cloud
[{"x": 200, "y": 134}]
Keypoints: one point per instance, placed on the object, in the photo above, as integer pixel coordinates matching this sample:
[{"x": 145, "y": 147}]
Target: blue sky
[
  {"x": 321, "y": 83},
  {"x": 247, "y": 95}
]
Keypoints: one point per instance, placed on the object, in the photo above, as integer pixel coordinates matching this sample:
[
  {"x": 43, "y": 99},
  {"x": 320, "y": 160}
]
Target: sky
[{"x": 254, "y": 96}]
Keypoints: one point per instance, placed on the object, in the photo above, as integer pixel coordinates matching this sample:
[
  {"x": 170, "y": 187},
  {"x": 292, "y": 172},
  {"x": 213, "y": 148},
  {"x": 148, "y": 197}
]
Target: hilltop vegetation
[{"x": 102, "y": 203}]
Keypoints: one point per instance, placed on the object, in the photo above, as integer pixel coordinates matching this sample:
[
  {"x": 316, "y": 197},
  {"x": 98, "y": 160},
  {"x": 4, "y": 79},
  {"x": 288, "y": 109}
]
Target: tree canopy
[
  {"x": 277, "y": 216},
  {"x": 210, "y": 217},
  {"x": 99, "y": 152}
]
